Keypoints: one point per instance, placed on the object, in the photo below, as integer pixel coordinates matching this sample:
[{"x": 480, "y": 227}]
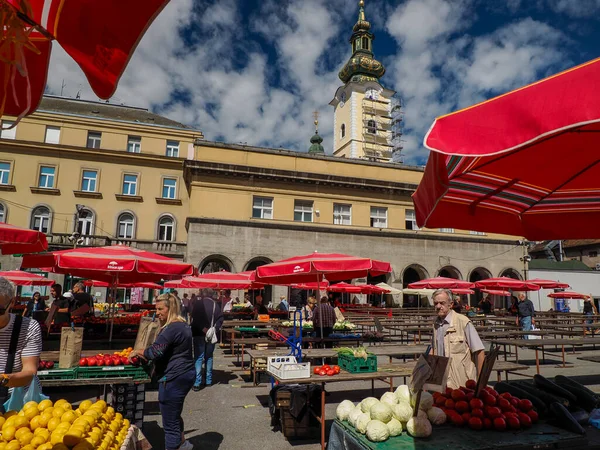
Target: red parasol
[
  {"x": 568, "y": 294},
  {"x": 323, "y": 285},
  {"x": 218, "y": 280},
  {"x": 100, "y": 36},
  {"x": 493, "y": 166},
  {"x": 549, "y": 284},
  {"x": 496, "y": 292},
  {"x": 462, "y": 291},
  {"x": 441, "y": 283},
  {"x": 103, "y": 284},
  {"x": 21, "y": 278},
  {"x": 21, "y": 240},
  {"x": 370, "y": 289},
  {"x": 314, "y": 267},
  {"x": 506, "y": 283},
  {"x": 345, "y": 287}
]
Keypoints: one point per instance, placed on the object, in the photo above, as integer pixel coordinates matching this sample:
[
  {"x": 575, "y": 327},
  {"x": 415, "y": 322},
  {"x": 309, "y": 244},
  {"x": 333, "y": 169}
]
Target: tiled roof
[
  {"x": 567, "y": 243},
  {"x": 544, "y": 264}
]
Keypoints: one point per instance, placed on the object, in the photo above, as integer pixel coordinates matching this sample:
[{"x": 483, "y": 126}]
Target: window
[
  {"x": 262, "y": 208},
  {"x": 342, "y": 214},
  {"x": 85, "y": 223},
  {"x": 354, "y": 45},
  {"x": 592, "y": 254},
  {"x": 173, "y": 149},
  {"x": 46, "y": 180},
  {"x": 4, "y": 172},
  {"x": 371, "y": 126},
  {"x": 378, "y": 217},
  {"x": 410, "y": 220},
  {"x": 446, "y": 230},
  {"x": 7, "y": 133},
  {"x": 166, "y": 229},
  {"x": 2, "y": 213},
  {"x": 477, "y": 233},
  {"x": 134, "y": 144},
  {"x": 125, "y": 227},
  {"x": 93, "y": 140},
  {"x": 169, "y": 189},
  {"x": 343, "y": 131},
  {"x": 365, "y": 43},
  {"x": 89, "y": 180},
  {"x": 303, "y": 211},
  {"x": 52, "y": 135},
  {"x": 40, "y": 219},
  {"x": 129, "y": 184}
]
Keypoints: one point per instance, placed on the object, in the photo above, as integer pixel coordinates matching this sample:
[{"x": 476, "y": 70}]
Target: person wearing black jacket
[
  {"x": 174, "y": 366},
  {"x": 34, "y": 305},
  {"x": 82, "y": 298},
  {"x": 206, "y": 313},
  {"x": 525, "y": 313}
]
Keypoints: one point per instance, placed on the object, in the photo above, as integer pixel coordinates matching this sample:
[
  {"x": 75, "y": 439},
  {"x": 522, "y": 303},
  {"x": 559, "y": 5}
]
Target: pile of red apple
[
  {"x": 101, "y": 360},
  {"x": 488, "y": 411},
  {"x": 45, "y": 365}
]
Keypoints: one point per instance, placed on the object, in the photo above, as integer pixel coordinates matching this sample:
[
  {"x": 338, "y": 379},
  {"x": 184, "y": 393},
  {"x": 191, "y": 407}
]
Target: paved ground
[{"x": 233, "y": 414}]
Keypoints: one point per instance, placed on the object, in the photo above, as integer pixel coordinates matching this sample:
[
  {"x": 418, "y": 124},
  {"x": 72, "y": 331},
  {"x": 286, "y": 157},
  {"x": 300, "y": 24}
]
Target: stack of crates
[
  {"x": 128, "y": 399},
  {"x": 305, "y": 427}
]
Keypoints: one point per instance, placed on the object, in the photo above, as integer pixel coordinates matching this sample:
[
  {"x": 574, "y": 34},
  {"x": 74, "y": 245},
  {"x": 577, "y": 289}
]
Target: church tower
[{"x": 367, "y": 116}]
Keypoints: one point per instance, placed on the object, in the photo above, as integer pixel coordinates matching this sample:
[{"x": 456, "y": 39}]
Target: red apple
[{"x": 83, "y": 362}]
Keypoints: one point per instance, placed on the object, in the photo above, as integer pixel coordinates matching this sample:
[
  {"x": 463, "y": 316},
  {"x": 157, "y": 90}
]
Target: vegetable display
[
  {"x": 326, "y": 370},
  {"x": 358, "y": 352}
]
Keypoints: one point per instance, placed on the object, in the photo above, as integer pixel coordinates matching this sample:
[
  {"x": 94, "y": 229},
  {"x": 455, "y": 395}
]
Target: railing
[{"x": 65, "y": 240}]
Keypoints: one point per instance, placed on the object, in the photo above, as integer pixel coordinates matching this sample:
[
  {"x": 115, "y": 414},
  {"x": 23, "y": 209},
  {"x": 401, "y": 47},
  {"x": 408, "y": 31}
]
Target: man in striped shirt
[
  {"x": 324, "y": 315},
  {"x": 28, "y": 344}
]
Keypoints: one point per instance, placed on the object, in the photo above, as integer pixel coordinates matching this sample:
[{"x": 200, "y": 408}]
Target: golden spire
[
  {"x": 316, "y": 116},
  {"x": 361, "y": 13}
]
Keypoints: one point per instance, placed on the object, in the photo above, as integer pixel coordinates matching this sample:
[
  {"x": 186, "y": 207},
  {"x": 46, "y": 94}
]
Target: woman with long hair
[
  {"x": 35, "y": 304},
  {"x": 174, "y": 367}
]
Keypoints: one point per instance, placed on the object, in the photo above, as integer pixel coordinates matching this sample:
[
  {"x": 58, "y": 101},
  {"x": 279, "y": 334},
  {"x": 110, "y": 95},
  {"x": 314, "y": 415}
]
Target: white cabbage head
[
  {"x": 389, "y": 398},
  {"x": 344, "y": 409},
  {"x": 402, "y": 412},
  {"x": 403, "y": 393},
  {"x": 367, "y": 403},
  {"x": 377, "y": 431},
  {"x": 394, "y": 427},
  {"x": 382, "y": 412},
  {"x": 362, "y": 422},
  {"x": 419, "y": 427},
  {"x": 354, "y": 415}
]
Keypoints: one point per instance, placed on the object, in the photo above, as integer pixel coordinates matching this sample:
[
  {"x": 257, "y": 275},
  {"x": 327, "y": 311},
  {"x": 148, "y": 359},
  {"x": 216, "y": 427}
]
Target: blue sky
[{"x": 253, "y": 72}]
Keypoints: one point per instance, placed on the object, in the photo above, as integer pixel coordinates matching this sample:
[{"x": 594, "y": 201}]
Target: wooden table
[{"x": 92, "y": 382}]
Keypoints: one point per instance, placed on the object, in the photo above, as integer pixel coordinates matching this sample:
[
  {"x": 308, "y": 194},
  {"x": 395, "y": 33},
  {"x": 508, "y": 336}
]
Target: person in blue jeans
[
  {"x": 206, "y": 314},
  {"x": 174, "y": 367},
  {"x": 525, "y": 312}
]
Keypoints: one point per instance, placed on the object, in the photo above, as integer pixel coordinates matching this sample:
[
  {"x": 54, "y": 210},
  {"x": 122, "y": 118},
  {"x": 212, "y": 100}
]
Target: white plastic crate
[{"x": 287, "y": 368}]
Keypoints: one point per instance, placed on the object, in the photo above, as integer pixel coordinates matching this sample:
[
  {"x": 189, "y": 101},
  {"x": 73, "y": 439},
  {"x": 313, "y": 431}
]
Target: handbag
[{"x": 211, "y": 333}]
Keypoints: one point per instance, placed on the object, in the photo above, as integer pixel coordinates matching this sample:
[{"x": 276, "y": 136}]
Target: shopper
[
  {"x": 259, "y": 307},
  {"x": 174, "y": 365},
  {"x": 323, "y": 318},
  {"x": 207, "y": 314},
  {"x": 81, "y": 299},
  {"x": 63, "y": 305},
  {"x": 525, "y": 312},
  {"x": 589, "y": 309},
  {"x": 34, "y": 305},
  {"x": 307, "y": 310},
  {"x": 283, "y": 304},
  {"x": 21, "y": 344}
]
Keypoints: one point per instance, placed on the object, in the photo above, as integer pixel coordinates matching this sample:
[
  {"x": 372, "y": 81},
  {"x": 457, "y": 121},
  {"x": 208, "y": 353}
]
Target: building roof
[
  {"x": 109, "y": 111},
  {"x": 544, "y": 264},
  {"x": 567, "y": 243}
]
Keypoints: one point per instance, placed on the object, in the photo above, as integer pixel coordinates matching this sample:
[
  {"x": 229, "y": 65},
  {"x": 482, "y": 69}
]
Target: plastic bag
[
  {"x": 533, "y": 336},
  {"x": 15, "y": 401},
  {"x": 19, "y": 396},
  {"x": 34, "y": 392},
  {"x": 595, "y": 418}
]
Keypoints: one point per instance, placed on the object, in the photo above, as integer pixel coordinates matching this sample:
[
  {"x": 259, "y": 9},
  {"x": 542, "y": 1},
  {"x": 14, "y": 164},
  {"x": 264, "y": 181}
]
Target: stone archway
[
  {"x": 267, "y": 292},
  {"x": 411, "y": 274},
  {"x": 511, "y": 273},
  {"x": 450, "y": 272},
  {"x": 215, "y": 263},
  {"x": 478, "y": 274}
]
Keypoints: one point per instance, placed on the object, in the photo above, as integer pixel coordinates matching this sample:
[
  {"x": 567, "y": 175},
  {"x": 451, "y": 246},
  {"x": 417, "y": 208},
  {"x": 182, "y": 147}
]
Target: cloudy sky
[{"x": 246, "y": 71}]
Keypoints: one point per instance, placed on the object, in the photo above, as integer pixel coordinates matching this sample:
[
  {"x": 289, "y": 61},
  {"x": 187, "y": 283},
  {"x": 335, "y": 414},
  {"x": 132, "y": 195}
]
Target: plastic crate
[
  {"x": 358, "y": 365},
  {"x": 304, "y": 427},
  {"x": 58, "y": 374},
  {"x": 137, "y": 373},
  {"x": 286, "y": 367}
]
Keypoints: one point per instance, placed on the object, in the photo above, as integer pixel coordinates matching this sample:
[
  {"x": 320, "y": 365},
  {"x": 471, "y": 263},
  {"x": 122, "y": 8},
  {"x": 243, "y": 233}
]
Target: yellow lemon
[
  {"x": 21, "y": 422},
  {"x": 21, "y": 431},
  {"x": 49, "y": 410},
  {"x": 9, "y": 414},
  {"x": 44, "y": 404},
  {"x": 63, "y": 427},
  {"x": 46, "y": 446},
  {"x": 37, "y": 441},
  {"x": 60, "y": 446},
  {"x": 2, "y": 445},
  {"x": 29, "y": 404},
  {"x": 24, "y": 438},
  {"x": 68, "y": 416},
  {"x": 62, "y": 403},
  {"x": 44, "y": 419},
  {"x": 8, "y": 434},
  {"x": 31, "y": 412},
  {"x": 10, "y": 422},
  {"x": 2, "y": 420},
  {"x": 56, "y": 437},
  {"x": 93, "y": 412},
  {"x": 58, "y": 411},
  {"x": 53, "y": 423},
  {"x": 85, "y": 405},
  {"x": 43, "y": 432},
  {"x": 35, "y": 423},
  {"x": 13, "y": 445},
  {"x": 100, "y": 404}
]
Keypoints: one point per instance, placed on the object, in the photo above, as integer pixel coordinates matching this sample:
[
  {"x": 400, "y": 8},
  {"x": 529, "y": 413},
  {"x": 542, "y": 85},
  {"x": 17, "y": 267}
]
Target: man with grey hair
[
  {"x": 20, "y": 344},
  {"x": 455, "y": 337},
  {"x": 525, "y": 312},
  {"x": 206, "y": 313}
]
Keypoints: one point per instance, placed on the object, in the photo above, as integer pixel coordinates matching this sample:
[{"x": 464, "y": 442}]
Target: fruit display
[
  {"x": 326, "y": 370},
  {"x": 116, "y": 359},
  {"x": 57, "y": 426},
  {"x": 45, "y": 365}
]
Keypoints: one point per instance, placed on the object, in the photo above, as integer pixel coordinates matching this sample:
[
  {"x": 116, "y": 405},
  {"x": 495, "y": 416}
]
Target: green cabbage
[
  {"x": 394, "y": 427},
  {"x": 402, "y": 412},
  {"x": 403, "y": 393},
  {"x": 389, "y": 398},
  {"x": 354, "y": 415},
  {"x": 377, "y": 431},
  {"x": 362, "y": 422},
  {"x": 381, "y": 411},
  {"x": 419, "y": 427},
  {"x": 344, "y": 409},
  {"x": 367, "y": 403}
]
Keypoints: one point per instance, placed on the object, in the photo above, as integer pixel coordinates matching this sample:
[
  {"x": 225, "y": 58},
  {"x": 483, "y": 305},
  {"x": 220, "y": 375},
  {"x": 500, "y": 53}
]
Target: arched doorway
[
  {"x": 511, "y": 273},
  {"x": 450, "y": 272},
  {"x": 215, "y": 263},
  {"x": 413, "y": 273},
  {"x": 267, "y": 292},
  {"x": 478, "y": 274}
]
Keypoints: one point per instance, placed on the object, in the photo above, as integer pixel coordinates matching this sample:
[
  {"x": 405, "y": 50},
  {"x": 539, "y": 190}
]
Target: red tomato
[
  {"x": 116, "y": 361},
  {"x": 323, "y": 372},
  {"x": 487, "y": 423},
  {"x": 124, "y": 360},
  {"x": 499, "y": 424},
  {"x": 489, "y": 400},
  {"x": 477, "y": 413},
  {"x": 100, "y": 361},
  {"x": 92, "y": 361},
  {"x": 492, "y": 391},
  {"x": 475, "y": 423},
  {"x": 436, "y": 395},
  {"x": 330, "y": 372},
  {"x": 524, "y": 419},
  {"x": 448, "y": 392},
  {"x": 457, "y": 394},
  {"x": 525, "y": 405},
  {"x": 326, "y": 367},
  {"x": 503, "y": 404},
  {"x": 337, "y": 369},
  {"x": 83, "y": 362},
  {"x": 476, "y": 403},
  {"x": 469, "y": 396},
  {"x": 506, "y": 395},
  {"x": 514, "y": 401},
  {"x": 492, "y": 412},
  {"x": 513, "y": 422},
  {"x": 461, "y": 406},
  {"x": 135, "y": 361},
  {"x": 449, "y": 404},
  {"x": 534, "y": 415},
  {"x": 440, "y": 400},
  {"x": 471, "y": 384},
  {"x": 316, "y": 370},
  {"x": 457, "y": 420},
  {"x": 49, "y": 364},
  {"x": 466, "y": 417}
]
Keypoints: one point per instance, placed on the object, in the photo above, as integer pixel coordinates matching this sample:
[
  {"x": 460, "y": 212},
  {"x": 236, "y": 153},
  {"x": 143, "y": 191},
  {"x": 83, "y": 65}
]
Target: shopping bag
[
  {"x": 34, "y": 392},
  {"x": 211, "y": 335},
  {"x": 15, "y": 402},
  {"x": 533, "y": 336},
  {"x": 71, "y": 342},
  {"x": 146, "y": 333}
]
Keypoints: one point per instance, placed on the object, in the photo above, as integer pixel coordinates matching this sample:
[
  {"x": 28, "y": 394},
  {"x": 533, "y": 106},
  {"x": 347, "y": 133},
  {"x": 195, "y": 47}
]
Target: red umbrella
[
  {"x": 549, "y": 284},
  {"x": 21, "y": 240},
  {"x": 145, "y": 285},
  {"x": 462, "y": 291},
  {"x": 370, "y": 289},
  {"x": 506, "y": 283},
  {"x": 218, "y": 280},
  {"x": 345, "y": 287},
  {"x": 100, "y": 36},
  {"x": 493, "y": 166},
  {"x": 314, "y": 267},
  {"x": 21, "y": 278},
  {"x": 311, "y": 286},
  {"x": 496, "y": 292},
  {"x": 441, "y": 283},
  {"x": 568, "y": 294}
]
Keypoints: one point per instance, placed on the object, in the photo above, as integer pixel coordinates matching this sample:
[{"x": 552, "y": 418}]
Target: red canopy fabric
[
  {"x": 345, "y": 287},
  {"x": 21, "y": 240},
  {"x": 114, "y": 264},
  {"x": 100, "y": 36},
  {"x": 321, "y": 285},
  {"x": 506, "y": 283},
  {"x": 309, "y": 268},
  {"x": 371, "y": 289},
  {"x": 218, "y": 280},
  {"x": 496, "y": 292},
  {"x": 493, "y": 166},
  {"x": 462, "y": 291},
  {"x": 441, "y": 283},
  {"x": 21, "y": 278},
  {"x": 568, "y": 294},
  {"x": 549, "y": 284},
  {"x": 145, "y": 285}
]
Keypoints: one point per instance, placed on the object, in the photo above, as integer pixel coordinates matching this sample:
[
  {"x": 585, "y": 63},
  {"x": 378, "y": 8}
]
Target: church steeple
[
  {"x": 316, "y": 140},
  {"x": 362, "y": 65}
]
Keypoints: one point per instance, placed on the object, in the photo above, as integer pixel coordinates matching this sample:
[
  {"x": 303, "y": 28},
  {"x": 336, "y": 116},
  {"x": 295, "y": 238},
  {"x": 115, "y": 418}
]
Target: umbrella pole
[
  {"x": 112, "y": 315},
  {"x": 539, "y": 301}
]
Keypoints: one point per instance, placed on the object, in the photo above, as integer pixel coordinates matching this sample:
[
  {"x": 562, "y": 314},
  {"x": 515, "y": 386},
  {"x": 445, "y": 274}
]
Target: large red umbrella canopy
[
  {"x": 462, "y": 291},
  {"x": 371, "y": 289},
  {"x": 506, "y": 283},
  {"x": 218, "y": 280},
  {"x": 100, "y": 36},
  {"x": 523, "y": 164},
  {"x": 22, "y": 278},
  {"x": 548, "y": 284},
  {"x": 101, "y": 284},
  {"x": 21, "y": 240},
  {"x": 316, "y": 266},
  {"x": 496, "y": 292},
  {"x": 114, "y": 264},
  {"x": 441, "y": 283},
  {"x": 568, "y": 294},
  {"x": 345, "y": 287},
  {"x": 311, "y": 286}
]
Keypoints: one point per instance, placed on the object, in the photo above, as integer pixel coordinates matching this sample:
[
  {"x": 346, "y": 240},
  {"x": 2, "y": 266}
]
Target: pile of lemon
[
  {"x": 125, "y": 352},
  {"x": 48, "y": 426}
]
